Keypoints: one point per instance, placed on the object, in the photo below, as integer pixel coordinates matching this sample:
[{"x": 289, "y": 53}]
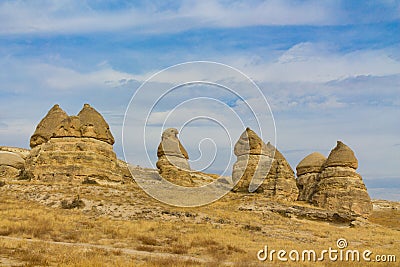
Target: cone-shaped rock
[
  {"x": 171, "y": 146},
  {"x": 280, "y": 182},
  {"x": 47, "y": 126},
  {"x": 250, "y": 143},
  {"x": 262, "y": 168},
  {"x": 93, "y": 125},
  {"x": 340, "y": 187},
  {"x": 252, "y": 164},
  {"x": 307, "y": 174}
]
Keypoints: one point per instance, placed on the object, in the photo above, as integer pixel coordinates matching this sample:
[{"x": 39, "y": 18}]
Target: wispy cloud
[
  {"x": 66, "y": 17},
  {"x": 317, "y": 62}
]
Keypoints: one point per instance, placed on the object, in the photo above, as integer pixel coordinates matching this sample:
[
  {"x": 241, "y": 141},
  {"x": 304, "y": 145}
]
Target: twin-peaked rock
[
  {"x": 336, "y": 186},
  {"x": 262, "y": 168},
  {"x": 73, "y": 148}
]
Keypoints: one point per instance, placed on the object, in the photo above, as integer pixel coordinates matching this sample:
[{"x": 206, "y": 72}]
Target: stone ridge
[{"x": 11, "y": 165}]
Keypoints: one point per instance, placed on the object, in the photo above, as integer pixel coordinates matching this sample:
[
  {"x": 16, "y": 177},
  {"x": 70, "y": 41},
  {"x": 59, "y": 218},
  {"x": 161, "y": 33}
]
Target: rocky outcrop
[
  {"x": 93, "y": 125},
  {"x": 46, "y": 127},
  {"x": 89, "y": 123},
  {"x": 340, "y": 187},
  {"x": 280, "y": 182},
  {"x": 11, "y": 165},
  {"x": 253, "y": 162},
  {"x": 74, "y": 149},
  {"x": 262, "y": 168},
  {"x": 308, "y": 171},
  {"x": 172, "y": 161},
  {"x": 171, "y": 149}
]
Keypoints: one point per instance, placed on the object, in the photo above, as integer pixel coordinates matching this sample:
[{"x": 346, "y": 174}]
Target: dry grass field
[{"x": 41, "y": 225}]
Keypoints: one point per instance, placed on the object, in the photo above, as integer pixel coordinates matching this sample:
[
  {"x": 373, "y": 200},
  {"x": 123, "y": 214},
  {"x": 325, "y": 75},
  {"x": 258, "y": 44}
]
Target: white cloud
[
  {"x": 74, "y": 17},
  {"x": 24, "y": 75},
  {"x": 309, "y": 62}
]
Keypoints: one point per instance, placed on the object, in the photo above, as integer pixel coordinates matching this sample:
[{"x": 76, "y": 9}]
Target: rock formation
[
  {"x": 253, "y": 162},
  {"x": 22, "y": 152},
  {"x": 307, "y": 175},
  {"x": 11, "y": 165},
  {"x": 340, "y": 187},
  {"x": 262, "y": 168},
  {"x": 73, "y": 148},
  {"x": 171, "y": 149},
  {"x": 93, "y": 125},
  {"x": 172, "y": 161},
  {"x": 45, "y": 129},
  {"x": 280, "y": 182}
]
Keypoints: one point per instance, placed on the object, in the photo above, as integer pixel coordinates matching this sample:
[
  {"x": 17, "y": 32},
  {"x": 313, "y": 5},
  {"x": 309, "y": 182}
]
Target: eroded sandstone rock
[
  {"x": 253, "y": 162},
  {"x": 11, "y": 165},
  {"x": 22, "y": 152},
  {"x": 340, "y": 187},
  {"x": 74, "y": 149},
  {"x": 93, "y": 125},
  {"x": 308, "y": 171},
  {"x": 172, "y": 161},
  {"x": 280, "y": 182},
  {"x": 47, "y": 126},
  {"x": 262, "y": 168}
]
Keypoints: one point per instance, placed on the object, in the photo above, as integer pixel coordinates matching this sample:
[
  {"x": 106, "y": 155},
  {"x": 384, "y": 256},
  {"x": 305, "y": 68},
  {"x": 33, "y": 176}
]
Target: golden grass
[{"x": 224, "y": 235}]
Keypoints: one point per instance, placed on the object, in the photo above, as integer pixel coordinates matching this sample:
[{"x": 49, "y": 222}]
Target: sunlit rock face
[
  {"x": 262, "y": 168},
  {"x": 308, "y": 171},
  {"x": 340, "y": 187},
  {"x": 73, "y": 148}
]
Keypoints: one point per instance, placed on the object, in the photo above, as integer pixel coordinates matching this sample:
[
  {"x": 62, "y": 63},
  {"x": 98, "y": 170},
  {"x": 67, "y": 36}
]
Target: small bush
[
  {"x": 75, "y": 203},
  {"x": 147, "y": 240}
]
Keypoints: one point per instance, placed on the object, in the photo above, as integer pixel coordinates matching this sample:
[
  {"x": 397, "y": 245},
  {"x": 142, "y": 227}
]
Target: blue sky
[{"x": 329, "y": 69}]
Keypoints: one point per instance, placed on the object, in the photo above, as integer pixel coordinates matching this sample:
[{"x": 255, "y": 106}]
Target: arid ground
[{"x": 96, "y": 225}]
